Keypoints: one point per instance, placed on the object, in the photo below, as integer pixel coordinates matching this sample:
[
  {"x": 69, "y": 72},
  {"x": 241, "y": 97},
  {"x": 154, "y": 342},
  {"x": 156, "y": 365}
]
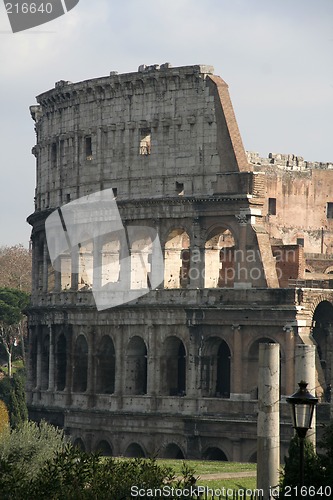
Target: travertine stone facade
[{"x": 173, "y": 373}]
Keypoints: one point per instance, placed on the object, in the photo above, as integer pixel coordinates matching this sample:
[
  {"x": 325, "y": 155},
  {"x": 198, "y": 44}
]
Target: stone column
[
  {"x": 191, "y": 365},
  {"x": 305, "y": 369},
  {"x": 268, "y": 429},
  {"x": 152, "y": 366},
  {"x": 39, "y": 359},
  {"x": 97, "y": 264},
  {"x": 125, "y": 263},
  {"x": 45, "y": 267},
  {"x": 236, "y": 450},
  {"x": 289, "y": 359},
  {"x": 237, "y": 365},
  {"x": 51, "y": 359},
  {"x": 197, "y": 257},
  {"x": 91, "y": 375},
  {"x": 240, "y": 263},
  {"x": 69, "y": 366},
  {"x": 120, "y": 365},
  {"x": 75, "y": 268}
]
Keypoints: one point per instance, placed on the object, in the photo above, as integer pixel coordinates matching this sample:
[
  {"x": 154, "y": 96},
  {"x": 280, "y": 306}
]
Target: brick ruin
[{"x": 247, "y": 246}]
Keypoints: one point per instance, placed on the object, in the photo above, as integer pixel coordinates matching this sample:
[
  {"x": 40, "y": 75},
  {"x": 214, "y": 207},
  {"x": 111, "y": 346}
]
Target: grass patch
[{"x": 208, "y": 466}]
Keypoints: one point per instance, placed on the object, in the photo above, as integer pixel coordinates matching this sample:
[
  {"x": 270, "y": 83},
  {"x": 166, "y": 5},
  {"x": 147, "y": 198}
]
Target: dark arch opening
[
  {"x": 134, "y": 450},
  {"x": 80, "y": 376},
  {"x": 215, "y": 368},
  {"x": 33, "y": 364},
  {"x": 253, "y": 458},
  {"x": 223, "y": 371},
  {"x": 104, "y": 448},
  {"x": 45, "y": 362},
  {"x": 78, "y": 443},
  {"x": 106, "y": 366},
  {"x": 136, "y": 367},
  {"x": 173, "y": 372},
  {"x": 173, "y": 451},
  {"x": 321, "y": 331},
  {"x": 216, "y": 454},
  {"x": 61, "y": 362}
]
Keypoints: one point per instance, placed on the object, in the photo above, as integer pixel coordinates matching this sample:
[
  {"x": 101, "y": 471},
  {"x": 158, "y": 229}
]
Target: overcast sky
[{"x": 276, "y": 56}]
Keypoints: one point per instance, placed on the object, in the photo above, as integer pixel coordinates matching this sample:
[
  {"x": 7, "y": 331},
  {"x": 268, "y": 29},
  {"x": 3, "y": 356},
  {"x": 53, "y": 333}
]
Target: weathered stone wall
[{"x": 303, "y": 191}]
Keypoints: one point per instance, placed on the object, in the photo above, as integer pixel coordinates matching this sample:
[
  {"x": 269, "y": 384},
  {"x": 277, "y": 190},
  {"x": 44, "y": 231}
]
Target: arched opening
[
  {"x": 61, "y": 362},
  {"x": 253, "y": 458},
  {"x": 219, "y": 259},
  {"x": 136, "y": 367},
  {"x": 106, "y": 366},
  {"x": 215, "y": 454},
  {"x": 173, "y": 369},
  {"x": 322, "y": 332},
  {"x": 45, "y": 362},
  {"x": 215, "y": 368},
  {"x": 253, "y": 368},
  {"x": 177, "y": 259},
  {"x": 141, "y": 251},
  {"x": 80, "y": 375},
  {"x": 104, "y": 448},
  {"x": 78, "y": 443},
  {"x": 134, "y": 450},
  {"x": 33, "y": 363},
  {"x": 86, "y": 265},
  {"x": 172, "y": 451},
  {"x": 110, "y": 259}
]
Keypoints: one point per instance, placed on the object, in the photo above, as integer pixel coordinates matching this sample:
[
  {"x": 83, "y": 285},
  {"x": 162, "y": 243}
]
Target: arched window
[
  {"x": 173, "y": 370},
  {"x": 177, "y": 259},
  {"x": 61, "y": 362},
  {"x": 106, "y": 366},
  {"x": 136, "y": 367},
  {"x": 78, "y": 443},
  {"x": 215, "y": 454},
  {"x": 215, "y": 368},
  {"x": 321, "y": 331},
  {"x": 80, "y": 376},
  {"x": 172, "y": 450},
  {"x": 104, "y": 448},
  {"x": 134, "y": 450},
  {"x": 219, "y": 259},
  {"x": 45, "y": 362}
]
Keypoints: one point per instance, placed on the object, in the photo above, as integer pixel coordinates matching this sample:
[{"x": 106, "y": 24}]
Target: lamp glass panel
[{"x": 303, "y": 415}]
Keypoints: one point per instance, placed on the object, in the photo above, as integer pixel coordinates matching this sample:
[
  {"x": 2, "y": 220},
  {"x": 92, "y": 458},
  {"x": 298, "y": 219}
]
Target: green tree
[
  {"x": 23, "y": 454},
  {"x": 290, "y": 476},
  {"x": 12, "y": 304},
  {"x": 326, "y": 456},
  {"x": 13, "y": 394}
]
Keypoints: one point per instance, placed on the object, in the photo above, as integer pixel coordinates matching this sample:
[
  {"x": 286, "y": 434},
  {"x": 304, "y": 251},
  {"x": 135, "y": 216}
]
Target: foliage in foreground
[
  {"x": 36, "y": 462},
  {"x": 12, "y": 393},
  {"x": 318, "y": 468},
  {"x": 25, "y": 451}
]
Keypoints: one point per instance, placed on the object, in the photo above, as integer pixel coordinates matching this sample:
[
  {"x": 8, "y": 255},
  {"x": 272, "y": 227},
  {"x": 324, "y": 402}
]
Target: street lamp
[{"x": 302, "y": 408}]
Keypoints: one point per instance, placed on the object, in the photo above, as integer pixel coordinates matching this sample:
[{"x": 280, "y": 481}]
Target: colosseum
[{"x": 247, "y": 245}]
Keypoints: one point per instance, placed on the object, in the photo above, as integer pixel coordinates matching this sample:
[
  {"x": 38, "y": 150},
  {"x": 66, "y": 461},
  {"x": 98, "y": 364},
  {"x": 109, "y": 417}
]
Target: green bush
[
  {"x": 312, "y": 468},
  {"x": 12, "y": 392},
  {"x": 24, "y": 452},
  {"x": 72, "y": 474}
]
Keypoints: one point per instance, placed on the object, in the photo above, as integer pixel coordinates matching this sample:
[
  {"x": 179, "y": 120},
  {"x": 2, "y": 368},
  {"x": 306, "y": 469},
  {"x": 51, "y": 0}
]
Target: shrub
[
  {"x": 23, "y": 453},
  {"x": 13, "y": 394},
  {"x": 4, "y": 417}
]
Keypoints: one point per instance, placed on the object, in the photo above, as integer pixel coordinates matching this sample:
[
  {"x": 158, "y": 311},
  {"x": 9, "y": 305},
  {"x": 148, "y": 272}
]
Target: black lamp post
[{"x": 302, "y": 408}]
